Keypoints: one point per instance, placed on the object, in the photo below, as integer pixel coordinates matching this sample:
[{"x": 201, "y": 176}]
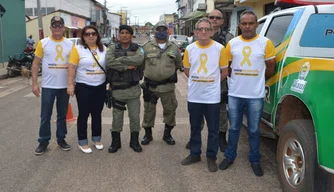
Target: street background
[{"x": 157, "y": 168}]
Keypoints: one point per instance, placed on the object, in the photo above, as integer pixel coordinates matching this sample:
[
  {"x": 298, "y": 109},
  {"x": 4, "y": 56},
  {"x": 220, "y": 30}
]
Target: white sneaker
[
  {"x": 98, "y": 146},
  {"x": 89, "y": 150}
]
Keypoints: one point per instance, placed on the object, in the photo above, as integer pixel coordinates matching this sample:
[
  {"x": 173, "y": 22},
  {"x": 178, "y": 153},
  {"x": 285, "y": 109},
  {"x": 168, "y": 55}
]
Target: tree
[{"x": 148, "y": 24}]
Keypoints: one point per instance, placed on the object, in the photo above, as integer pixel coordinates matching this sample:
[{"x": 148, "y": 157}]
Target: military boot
[
  {"x": 134, "y": 143},
  {"x": 167, "y": 136},
  {"x": 147, "y": 137},
  {"x": 116, "y": 142},
  {"x": 222, "y": 141}
]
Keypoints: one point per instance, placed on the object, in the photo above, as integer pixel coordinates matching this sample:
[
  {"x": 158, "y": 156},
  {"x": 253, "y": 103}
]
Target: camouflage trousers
[{"x": 169, "y": 104}]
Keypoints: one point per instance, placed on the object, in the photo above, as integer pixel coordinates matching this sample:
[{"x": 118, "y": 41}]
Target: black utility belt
[
  {"x": 125, "y": 86},
  {"x": 154, "y": 84}
]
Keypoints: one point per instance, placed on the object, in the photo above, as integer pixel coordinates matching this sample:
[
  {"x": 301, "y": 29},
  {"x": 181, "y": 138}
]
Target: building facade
[{"x": 12, "y": 30}]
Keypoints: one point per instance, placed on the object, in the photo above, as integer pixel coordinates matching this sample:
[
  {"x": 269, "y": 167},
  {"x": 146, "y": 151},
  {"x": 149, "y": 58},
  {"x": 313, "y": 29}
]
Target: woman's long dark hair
[{"x": 98, "y": 40}]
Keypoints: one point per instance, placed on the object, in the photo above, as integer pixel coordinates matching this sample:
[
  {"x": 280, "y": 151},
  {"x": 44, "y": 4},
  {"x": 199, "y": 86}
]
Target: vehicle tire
[
  {"x": 12, "y": 72},
  {"x": 297, "y": 156}
]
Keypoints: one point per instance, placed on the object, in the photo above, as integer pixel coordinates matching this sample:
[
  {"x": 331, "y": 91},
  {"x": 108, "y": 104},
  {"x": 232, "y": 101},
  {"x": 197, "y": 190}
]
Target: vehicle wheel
[
  {"x": 297, "y": 156},
  {"x": 11, "y": 72}
]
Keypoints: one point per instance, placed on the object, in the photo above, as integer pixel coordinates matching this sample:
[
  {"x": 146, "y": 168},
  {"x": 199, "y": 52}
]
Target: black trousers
[{"x": 90, "y": 101}]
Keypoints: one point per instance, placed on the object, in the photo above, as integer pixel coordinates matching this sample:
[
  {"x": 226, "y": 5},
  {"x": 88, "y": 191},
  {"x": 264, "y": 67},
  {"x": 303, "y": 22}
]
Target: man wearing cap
[
  {"x": 124, "y": 62},
  {"x": 162, "y": 60},
  {"x": 53, "y": 52}
]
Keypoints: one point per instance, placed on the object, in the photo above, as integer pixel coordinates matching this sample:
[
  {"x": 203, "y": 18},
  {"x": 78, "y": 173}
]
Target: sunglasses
[
  {"x": 215, "y": 17},
  {"x": 57, "y": 26},
  {"x": 204, "y": 29},
  {"x": 87, "y": 34}
]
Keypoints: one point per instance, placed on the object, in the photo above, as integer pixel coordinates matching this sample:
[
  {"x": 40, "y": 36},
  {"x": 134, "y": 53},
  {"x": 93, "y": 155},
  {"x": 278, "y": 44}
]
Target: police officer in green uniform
[
  {"x": 162, "y": 60},
  {"x": 124, "y": 62}
]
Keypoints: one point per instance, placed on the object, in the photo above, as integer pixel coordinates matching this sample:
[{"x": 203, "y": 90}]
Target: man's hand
[
  {"x": 35, "y": 89},
  {"x": 70, "y": 90},
  {"x": 132, "y": 67}
]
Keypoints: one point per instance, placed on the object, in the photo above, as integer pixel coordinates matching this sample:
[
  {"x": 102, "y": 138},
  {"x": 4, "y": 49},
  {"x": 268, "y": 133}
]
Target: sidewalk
[{"x": 3, "y": 71}]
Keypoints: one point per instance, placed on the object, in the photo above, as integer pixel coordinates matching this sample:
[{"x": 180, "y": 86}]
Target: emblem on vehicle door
[{"x": 299, "y": 84}]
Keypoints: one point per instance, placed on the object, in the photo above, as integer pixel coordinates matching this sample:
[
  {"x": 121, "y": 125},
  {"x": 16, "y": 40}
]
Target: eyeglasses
[
  {"x": 87, "y": 34},
  {"x": 204, "y": 29},
  {"x": 57, "y": 26},
  {"x": 215, "y": 17}
]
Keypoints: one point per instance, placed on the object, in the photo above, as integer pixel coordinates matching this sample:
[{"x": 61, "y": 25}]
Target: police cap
[{"x": 161, "y": 24}]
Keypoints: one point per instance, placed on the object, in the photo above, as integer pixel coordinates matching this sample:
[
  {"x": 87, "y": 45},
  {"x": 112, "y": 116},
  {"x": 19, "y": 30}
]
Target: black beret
[{"x": 127, "y": 27}]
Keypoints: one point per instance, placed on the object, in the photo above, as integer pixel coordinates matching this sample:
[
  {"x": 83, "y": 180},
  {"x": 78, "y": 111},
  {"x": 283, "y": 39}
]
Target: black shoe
[
  {"x": 257, "y": 169},
  {"x": 134, "y": 143},
  {"x": 116, "y": 142},
  {"x": 222, "y": 141},
  {"x": 212, "y": 165},
  {"x": 167, "y": 136},
  {"x": 41, "y": 148},
  {"x": 191, "y": 159},
  {"x": 225, "y": 164},
  {"x": 147, "y": 137},
  {"x": 64, "y": 146},
  {"x": 188, "y": 145}
]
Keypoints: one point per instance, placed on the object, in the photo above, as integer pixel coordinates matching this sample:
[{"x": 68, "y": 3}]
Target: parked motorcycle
[{"x": 18, "y": 61}]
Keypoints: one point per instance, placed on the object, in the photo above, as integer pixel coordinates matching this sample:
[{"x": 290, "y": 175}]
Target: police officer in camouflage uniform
[
  {"x": 162, "y": 60},
  {"x": 124, "y": 62},
  {"x": 222, "y": 36}
]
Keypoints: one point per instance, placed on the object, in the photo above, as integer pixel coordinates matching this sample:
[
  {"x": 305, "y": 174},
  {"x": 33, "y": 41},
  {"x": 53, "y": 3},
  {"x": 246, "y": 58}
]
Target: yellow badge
[{"x": 97, "y": 58}]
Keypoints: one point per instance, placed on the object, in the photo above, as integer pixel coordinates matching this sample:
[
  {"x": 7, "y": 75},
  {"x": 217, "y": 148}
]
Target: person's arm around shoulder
[
  {"x": 39, "y": 53},
  {"x": 186, "y": 62},
  {"x": 270, "y": 59},
  {"x": 73, "y": 61},
  {"x": 223, "y": 63}
]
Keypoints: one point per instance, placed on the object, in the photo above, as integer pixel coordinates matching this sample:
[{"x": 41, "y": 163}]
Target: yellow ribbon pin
[
  {"x": 59, "y": 50},
  {"x": 246, "y": 52},
  {"x": 203, "y": 60},
  {"x": 97, "y": 58}
]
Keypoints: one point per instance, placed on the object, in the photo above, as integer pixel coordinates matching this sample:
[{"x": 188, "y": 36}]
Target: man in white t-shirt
[
  {"x": 252, "y": 61},
  {"x": 53, "y": 52},
  {"x": 205, "y": 67}
]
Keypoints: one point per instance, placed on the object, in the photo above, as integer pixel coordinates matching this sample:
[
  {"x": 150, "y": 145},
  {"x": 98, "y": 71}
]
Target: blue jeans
[
  {"x": 254, "y": 108},
  {"x": 211, "y": 114},
  {"x": 48, "y": 98}
]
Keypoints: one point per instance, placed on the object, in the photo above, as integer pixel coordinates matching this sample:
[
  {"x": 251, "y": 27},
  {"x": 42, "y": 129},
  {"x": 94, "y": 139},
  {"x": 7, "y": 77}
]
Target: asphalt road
[{"x": 155, "y": 169}]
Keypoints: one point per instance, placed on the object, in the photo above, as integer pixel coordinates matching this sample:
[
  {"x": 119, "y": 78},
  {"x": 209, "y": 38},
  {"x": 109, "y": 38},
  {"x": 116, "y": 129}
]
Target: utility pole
[
  {"x": 122, "y": 15},
  {"x": 40, "y": 23},
  {"x": 105, "y": 18}
]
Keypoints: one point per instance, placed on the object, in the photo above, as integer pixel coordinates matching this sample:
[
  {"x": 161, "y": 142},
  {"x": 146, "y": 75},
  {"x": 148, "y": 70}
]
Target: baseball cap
[
  {"x": 57, "y": 19},
  {"x": 161, "y": 24},
  {"x": 126, "y": 27}
]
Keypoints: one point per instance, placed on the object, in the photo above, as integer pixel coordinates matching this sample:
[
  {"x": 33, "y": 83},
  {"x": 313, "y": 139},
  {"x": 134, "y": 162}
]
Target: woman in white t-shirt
[{"x": 87, "y": 65}]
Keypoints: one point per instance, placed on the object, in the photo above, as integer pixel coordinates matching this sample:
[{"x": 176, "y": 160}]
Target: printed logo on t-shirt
[
  {"x": 59, "y": 50},
  {"x": 203, "y": 60},
  {"x": 246, "y": 52}
]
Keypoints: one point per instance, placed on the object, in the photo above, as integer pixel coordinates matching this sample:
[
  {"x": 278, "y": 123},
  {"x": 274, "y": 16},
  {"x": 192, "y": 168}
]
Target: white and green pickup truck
[{"x": 299, "y": 102}]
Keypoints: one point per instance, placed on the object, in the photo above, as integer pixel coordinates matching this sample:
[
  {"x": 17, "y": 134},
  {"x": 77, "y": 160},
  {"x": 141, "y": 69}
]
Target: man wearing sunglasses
[
  {"x": 53, "y": 52},
  {"x": 162, "y": 60}
]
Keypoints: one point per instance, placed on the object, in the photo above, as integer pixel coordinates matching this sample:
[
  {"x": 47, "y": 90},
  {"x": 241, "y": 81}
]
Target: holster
[
  {"x": 120, "y": 105},
  {"x": 108, "y": 99},
  {"x": 224, "y": 94},
  {"x": 148, "y": 95}
]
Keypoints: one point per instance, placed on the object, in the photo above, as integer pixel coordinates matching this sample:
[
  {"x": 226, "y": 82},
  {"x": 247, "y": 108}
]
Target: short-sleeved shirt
[
  {"x": 54, "y": 55},
  {"x": 248, "y": 66},
  {"x": 204, "y": 63},
  {"x": 88, "y": 71}
]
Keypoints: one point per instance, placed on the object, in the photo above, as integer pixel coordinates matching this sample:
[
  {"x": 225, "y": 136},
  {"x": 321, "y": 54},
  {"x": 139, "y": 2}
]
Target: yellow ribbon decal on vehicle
[
  {"x": 246, "y": 52},
  {"x": 203, "y": 60},
  {"x": 97, "y": 58},
  {"x": 59, "y": 50}
]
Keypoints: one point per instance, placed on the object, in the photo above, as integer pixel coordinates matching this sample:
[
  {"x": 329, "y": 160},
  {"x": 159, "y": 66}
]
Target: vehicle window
[
  {"x": 277, "y": 28},
  {"x": 319, "y": 31},
  {"x": 258, "y": 29}
]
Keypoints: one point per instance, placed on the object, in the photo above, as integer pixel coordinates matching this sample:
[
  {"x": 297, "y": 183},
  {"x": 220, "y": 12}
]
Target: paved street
[{"x": 156, "y": 169}]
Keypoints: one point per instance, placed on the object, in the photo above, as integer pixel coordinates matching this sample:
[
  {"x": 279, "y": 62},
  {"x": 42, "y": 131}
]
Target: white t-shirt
[
  {"x": 88, "y": 71},
  {"x": 248, "y": 66},
  {"x": 54, "y": 55},
  {"x": 204, "y": 73}
]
